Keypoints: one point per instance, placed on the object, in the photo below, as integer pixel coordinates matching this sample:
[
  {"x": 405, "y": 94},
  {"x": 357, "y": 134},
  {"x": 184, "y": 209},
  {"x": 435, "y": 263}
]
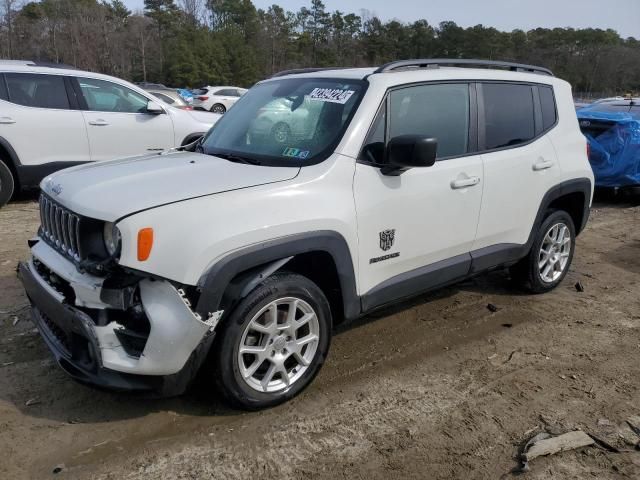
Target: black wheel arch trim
[
  {"x": 505, "y": 254},
  {"x": 576, "y": 185},
  {"x": 256, "y": 259},
  {"x": 13, "y": 156}
]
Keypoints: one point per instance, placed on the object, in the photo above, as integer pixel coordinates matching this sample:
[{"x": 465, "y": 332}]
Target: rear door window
[
  {"x": 3, "y": 88},
  {"x": 548, "y": 105},
  {"x": 35, "y": 90},
  {"x": 509, "y": 118}
]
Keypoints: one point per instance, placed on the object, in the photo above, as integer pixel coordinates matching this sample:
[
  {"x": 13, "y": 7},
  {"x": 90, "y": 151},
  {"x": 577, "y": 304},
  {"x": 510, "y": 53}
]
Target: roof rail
[
  {"x": 463, "y": 62},
  {"x": 16, "y": 62},
  {"x": 37, "y": 63},
  {"x": 298, "y": 71}
]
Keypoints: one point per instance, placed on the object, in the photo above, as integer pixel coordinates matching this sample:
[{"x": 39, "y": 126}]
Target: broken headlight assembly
[{"x": 112, "y": 239}]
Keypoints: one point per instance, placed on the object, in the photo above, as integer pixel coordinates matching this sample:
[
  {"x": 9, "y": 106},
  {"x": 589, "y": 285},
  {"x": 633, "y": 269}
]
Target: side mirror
[
  {"x": 409, "y": 151},
  {"x": 154, "y": 108}
]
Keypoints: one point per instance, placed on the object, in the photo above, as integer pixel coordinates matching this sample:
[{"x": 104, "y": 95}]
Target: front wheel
[
  {"x": 274, "y": 343},
  {"x": 550, "y": 256}
]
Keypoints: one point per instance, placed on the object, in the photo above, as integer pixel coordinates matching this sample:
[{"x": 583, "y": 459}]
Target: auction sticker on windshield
[
  {"x": 333, "y": 95},
  {"x": 295, "y": 153}
]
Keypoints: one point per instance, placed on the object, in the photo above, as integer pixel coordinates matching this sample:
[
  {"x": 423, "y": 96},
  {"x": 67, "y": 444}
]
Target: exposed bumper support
[
  {"x": 86, "y": 287},
  {"x": 175, "y": 333},
  {"x": 177, "y": 344}
]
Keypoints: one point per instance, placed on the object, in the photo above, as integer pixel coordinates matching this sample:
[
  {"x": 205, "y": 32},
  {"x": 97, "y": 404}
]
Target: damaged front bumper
[{"x": 142, "y": 336}]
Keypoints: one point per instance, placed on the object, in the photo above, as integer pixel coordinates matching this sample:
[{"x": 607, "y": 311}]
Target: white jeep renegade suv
[
  {"x": 247, "y": 251},
  {"x": 52, "y": 118}
]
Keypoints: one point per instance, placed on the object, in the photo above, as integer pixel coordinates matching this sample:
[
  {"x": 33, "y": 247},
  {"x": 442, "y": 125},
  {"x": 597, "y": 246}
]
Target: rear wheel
[
  {"x": 550, "y": 256},
  {"x": 274, "y": 343},
  {"x": 218, "y": 108},
  {"x": 7, "y": 184}
]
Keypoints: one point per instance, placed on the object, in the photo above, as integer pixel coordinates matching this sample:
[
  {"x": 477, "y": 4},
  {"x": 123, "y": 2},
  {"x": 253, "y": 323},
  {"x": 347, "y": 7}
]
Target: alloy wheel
[
  {"x": 554, "y": 252},
  {"x": 218, "y": 109},
  {"x": 278, "y": 345}
]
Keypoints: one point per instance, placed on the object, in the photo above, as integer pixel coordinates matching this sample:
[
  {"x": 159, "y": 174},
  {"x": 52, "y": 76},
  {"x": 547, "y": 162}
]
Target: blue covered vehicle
[
  {"x": 612, "y": 128},
  {"x": 187, "y": 95}
]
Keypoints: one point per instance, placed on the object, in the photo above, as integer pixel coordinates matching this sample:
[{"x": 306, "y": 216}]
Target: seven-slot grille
[{"x": 60, "y": 227}]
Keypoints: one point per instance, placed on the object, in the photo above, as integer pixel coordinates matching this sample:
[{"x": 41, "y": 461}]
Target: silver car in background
[
  {"x": 284, "y": 121},
  {"x": 216, "y": 99}
]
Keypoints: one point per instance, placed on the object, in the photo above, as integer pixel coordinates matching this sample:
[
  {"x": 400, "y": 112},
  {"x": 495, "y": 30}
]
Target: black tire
[
  {"x": 527, "y": 272},
  {"x": 225, "y": 351},
  {"x": 218, "y": 108},
  {"x": 7, "y": 184}
]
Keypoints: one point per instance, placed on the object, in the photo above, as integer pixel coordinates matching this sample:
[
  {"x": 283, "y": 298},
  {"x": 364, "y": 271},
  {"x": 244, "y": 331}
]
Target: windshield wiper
[{"x": 236, "y": 158}]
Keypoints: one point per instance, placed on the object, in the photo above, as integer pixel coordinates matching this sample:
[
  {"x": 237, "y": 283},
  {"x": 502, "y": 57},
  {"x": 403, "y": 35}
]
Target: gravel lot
[{"x": 439, "y": 387}]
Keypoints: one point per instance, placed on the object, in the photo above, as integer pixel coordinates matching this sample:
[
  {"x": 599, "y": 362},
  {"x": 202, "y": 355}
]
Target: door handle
[
  {"x": 465, "y": 182},
  {"x": 542, "y": 165},
  {"x": 99, "y": 123},
  {"x": 7, "y": 120}
]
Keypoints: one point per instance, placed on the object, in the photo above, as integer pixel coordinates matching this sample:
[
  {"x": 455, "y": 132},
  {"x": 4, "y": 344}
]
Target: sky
[{"x": 620, "y": 15}]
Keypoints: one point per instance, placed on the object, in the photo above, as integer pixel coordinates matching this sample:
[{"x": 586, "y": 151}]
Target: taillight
[
  {"x": 202, "y": 99},
  {"x": 588, "y": 149}
]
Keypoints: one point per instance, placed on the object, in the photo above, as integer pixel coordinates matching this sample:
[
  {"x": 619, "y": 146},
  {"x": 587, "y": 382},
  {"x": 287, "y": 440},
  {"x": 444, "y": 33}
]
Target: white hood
[{"x": 113, "y": 189}]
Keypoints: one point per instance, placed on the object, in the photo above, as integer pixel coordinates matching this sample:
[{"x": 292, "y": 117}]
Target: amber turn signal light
[{"x": 145, "y": 243}]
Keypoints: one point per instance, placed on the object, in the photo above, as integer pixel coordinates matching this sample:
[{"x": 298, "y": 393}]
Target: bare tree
[
  {"x": 193, "y": 10},
  {"x": 8, "y": 8},
  {"x": 141, "y": 31}
]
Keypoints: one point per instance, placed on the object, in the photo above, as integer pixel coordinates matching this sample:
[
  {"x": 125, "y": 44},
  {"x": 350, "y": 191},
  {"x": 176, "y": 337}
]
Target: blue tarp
[
  {"x": 615, "y": 153},
  {"x": 186, "y": 95}
]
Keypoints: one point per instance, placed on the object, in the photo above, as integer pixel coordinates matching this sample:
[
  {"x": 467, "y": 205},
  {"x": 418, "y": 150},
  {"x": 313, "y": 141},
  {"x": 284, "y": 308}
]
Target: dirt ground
[{"x": 437, "y": 388}]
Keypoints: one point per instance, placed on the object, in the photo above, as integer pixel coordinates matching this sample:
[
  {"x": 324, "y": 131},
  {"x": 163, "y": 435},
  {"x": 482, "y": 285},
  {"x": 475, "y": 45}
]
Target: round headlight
[{"x": 112, "y": 238}]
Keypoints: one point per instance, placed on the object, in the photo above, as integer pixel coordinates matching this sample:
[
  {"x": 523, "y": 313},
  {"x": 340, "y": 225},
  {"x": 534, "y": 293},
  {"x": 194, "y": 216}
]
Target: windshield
[{"x": 288, "y": 122}]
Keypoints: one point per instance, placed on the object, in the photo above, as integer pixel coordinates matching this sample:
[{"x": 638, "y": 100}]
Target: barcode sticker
[{"x": 333, "y": 95}]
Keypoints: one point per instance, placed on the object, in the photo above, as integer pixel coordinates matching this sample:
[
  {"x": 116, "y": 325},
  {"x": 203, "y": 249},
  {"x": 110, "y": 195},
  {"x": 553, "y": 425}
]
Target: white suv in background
[
  {"x": 52, "y": 118},
  {"x": 247, "y": 251},
  {"x": 216, "y": 99}
]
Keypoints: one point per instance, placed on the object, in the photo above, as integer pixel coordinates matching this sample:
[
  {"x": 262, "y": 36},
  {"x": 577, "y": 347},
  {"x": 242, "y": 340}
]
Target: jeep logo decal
[{"x": 386, "y": 239}]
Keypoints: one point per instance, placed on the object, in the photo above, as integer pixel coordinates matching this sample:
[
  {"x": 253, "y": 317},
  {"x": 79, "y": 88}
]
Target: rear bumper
[{"x": 74, "y": 341}]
